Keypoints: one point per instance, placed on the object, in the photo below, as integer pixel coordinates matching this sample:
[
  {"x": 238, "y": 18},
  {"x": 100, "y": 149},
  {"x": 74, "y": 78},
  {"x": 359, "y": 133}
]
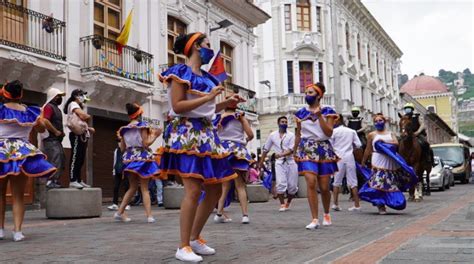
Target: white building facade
[
  {"x": 336, "y": 42},
  {"x": 80, "y": 52}
]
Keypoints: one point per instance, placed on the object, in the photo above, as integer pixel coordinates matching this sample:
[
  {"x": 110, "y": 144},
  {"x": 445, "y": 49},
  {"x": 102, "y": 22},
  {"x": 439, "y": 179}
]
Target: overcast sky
[{"x": 432, "y": 34}]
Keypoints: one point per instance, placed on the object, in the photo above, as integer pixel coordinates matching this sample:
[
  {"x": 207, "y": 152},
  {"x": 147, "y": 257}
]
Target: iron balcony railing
[
  {"x": 251, "y": 101},
  {"x": 104, "y": 55},
  {"x": 31, "y": 31}
]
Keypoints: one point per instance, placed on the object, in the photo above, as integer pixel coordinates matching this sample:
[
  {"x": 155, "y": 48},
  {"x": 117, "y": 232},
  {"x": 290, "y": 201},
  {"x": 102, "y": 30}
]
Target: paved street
[{"x": 436, "y": 230}]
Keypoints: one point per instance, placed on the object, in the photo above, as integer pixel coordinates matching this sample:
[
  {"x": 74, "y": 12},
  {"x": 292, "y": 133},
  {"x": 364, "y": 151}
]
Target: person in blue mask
[
  {"x": 286, "y": 171},
  {"x": 191, "y": 147},
  {"x": 315, "y": 156},
  {"x": 382, "y": 189}
]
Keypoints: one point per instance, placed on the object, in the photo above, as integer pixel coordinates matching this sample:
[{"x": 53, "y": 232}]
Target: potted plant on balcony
[
  {"x": 97, "y": 42},
  {"x": 138, "y": 54},
  {"x": 48, "y": 24}
]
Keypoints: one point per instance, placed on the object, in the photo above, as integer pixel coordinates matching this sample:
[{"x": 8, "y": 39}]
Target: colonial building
[
  {"x": 338, "y": 43},
  {"x": 72, "y": 45},
  {"x": 435, "y": 97}
]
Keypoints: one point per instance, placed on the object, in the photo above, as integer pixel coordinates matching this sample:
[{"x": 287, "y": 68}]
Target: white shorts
[
  {"x": 286, "y": 176},
  {"x": 346, "y": 168}
]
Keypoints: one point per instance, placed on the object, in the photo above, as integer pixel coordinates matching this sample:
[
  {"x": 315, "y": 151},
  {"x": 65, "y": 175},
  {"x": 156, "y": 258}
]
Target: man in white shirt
[
  {"x": 286, "y": 169},
  {"x": 343, "y": 141}
]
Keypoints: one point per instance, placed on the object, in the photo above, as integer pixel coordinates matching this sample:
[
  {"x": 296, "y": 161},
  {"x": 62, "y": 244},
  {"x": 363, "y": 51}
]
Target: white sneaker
[
  {"x": 2, "y": 234},
  {"x": 327, "y": 220},
  {"x": 76, "y": 185},
  {"x": 222, "y": 219},
  {"x": 313, "y": 225},
  {"x": 282, "y": 208},
  {"x": 151, "y": 220},
  {"x": 354, "y": 209},
  {"x": 336, "y": 207},
  {"x": 187, "y": 254},
  {"x": 18, "y": 236},
  {"x": 127, "y": 208},
  {"x": 200, "y": 247},
  {"x": 113, "y": 207},
  {"x": 84, "y": 185},
  {"x": 245, "y": 219},
  {"x": 118, "y": 217}
]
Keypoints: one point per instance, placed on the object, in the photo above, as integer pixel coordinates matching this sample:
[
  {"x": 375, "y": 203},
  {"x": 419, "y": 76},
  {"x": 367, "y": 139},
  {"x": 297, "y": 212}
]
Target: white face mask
[{"x": 81, "y": 98}]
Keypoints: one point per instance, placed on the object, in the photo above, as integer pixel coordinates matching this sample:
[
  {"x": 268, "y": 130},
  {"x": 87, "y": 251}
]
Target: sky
[{"x": 432, "y": 34}]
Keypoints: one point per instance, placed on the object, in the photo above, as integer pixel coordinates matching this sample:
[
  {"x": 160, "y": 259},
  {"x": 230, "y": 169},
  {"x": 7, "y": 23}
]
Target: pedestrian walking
[
  {"x": 343, "y": 141},
  {"x": 314, "y": 154},
  {"x": 139, "y": 163},
  {"x": 19, "y": 159},
  {"x": 192, "y": 149},
  {"x": 235, "y": 132},
  {"x": 286, "y": 170}
]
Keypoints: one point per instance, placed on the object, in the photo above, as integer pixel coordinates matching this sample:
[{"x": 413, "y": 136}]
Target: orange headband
[
  {"x": 315, "y": 87},
  {"x": 8, "y": 95},
  {"x": 137, "y": 113},
  {"x": 190, "y": 42}
]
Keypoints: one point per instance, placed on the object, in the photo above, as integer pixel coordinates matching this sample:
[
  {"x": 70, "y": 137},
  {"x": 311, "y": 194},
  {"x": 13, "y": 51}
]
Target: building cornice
[
  {"x": 244, "y": 10},
  {"x": 433, "y": 95}
]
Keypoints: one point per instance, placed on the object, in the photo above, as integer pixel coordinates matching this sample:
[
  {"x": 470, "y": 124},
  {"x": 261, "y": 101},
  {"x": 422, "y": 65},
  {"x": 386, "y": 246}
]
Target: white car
[{"x": 441, "y": 177}]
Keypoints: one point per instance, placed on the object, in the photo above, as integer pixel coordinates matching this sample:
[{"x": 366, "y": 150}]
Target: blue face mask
[
  {"x": 310, "y": 99},
  {"x": 380, "y": 126},
  {"x": 206, "y": 55},
  {"x": 408, "y": 111},
  {"x": 283, "y": 127}
]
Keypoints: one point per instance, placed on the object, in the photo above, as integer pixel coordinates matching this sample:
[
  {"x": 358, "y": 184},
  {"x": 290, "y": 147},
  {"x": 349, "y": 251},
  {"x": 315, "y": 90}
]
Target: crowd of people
[{"x": 204, "y": 144}]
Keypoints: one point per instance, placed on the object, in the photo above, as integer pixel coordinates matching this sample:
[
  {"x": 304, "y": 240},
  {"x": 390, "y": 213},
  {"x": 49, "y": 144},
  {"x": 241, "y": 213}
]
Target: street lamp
[
  {"x": 266, "y": 83},
  {"x": 222, "y": 24}
]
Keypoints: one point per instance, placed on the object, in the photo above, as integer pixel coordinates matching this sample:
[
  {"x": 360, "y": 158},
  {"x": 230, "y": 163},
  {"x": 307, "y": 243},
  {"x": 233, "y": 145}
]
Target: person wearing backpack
[{"x": 77, "y": 120}]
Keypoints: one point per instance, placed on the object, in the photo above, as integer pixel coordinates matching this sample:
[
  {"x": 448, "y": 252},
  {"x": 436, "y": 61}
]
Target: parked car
[
  {"x": 441, "y": 176},
  {"x": 457, "y": 156}
]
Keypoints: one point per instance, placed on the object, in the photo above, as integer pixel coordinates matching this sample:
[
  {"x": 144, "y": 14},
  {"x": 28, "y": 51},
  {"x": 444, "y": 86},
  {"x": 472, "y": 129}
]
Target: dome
[{"x": 424, "y": 85}]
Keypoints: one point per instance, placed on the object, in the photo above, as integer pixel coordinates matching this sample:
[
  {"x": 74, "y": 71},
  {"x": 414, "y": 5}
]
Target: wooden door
[{"x": 13, "y": 26}]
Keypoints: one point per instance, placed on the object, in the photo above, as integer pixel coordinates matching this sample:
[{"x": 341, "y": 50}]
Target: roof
[
  {"x": 246, "y": 11},
  {"x": 424, "y": 84}
]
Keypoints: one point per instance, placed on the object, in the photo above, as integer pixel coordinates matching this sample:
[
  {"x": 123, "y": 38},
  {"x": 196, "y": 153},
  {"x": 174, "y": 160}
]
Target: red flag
[{"x": 218, "y": 68}]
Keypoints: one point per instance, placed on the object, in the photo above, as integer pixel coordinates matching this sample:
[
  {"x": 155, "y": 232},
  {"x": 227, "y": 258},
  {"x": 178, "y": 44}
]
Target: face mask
[
  {"x": 310, "y": 99},
  {"x": 408, "y": 111},
  {"x": 355, "y": 114},
  {"x": 81, "y": 98},
  {"x": 206, "y": 55},
  {"x": 283, "y": 127},
  {"x": 380, "y": 126}
]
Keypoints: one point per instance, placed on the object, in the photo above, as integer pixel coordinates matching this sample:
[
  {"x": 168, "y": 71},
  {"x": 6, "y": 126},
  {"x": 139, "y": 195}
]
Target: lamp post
[{"x": 222, "y": 24}]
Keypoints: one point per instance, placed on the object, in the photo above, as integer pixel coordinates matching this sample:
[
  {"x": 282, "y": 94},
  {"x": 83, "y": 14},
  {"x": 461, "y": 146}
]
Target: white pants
[
  {"x": 346, "y": 168},
  {"x": 286, "y": 176}
]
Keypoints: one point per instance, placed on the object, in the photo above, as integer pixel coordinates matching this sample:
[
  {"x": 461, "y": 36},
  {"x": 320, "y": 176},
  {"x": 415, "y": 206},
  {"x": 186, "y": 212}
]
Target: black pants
[
  {"x": 78, "y": 155},
  {"x": 118, "y": 180}
]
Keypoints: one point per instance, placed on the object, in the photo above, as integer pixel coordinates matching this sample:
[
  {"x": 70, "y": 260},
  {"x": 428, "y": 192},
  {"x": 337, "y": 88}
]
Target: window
[
  {"x": 351, "y": 90},
  {"x": 107, "y": 18},
  {"x": 289, "y": 74},
  {"x": 227, "y": 55},
  {"x": 377, "y": 63},
  {"x": 362, "y": 96},
  {"x": 368, "y": 55},
  {"x": 306, "y": 74},
  {"x": 348, "y": 40},
  {"x": 258, "y": 134},
  {"x": 374, "y": 108},
  {"x": 303, "y": 16},
  {"x": 287, "y": 17},
  {"x": 175, "y": 28},
  {"x": 319, "y": 19},
  {"x": 359, "y": 52},
  {"x": 320, "y": 72},
  {"x": 431, "y": 108}
]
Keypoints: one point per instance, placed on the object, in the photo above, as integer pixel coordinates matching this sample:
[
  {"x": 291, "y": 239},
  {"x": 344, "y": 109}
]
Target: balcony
[
  {"x": 288, "y": 103},
  {"x": 25, "y": 29},
  {"x": 102, "y": 55},
  {"x": 250, "y": 106}
]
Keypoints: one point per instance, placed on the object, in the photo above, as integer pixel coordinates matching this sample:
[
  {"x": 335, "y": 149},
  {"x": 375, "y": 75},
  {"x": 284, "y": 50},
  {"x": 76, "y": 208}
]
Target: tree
[
  {"x": 466, "y": 72},
  {"x": 402, "y": 79}
]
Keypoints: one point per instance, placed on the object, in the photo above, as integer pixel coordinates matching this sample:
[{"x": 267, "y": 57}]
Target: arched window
[{"x": 175, "y": 28}]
